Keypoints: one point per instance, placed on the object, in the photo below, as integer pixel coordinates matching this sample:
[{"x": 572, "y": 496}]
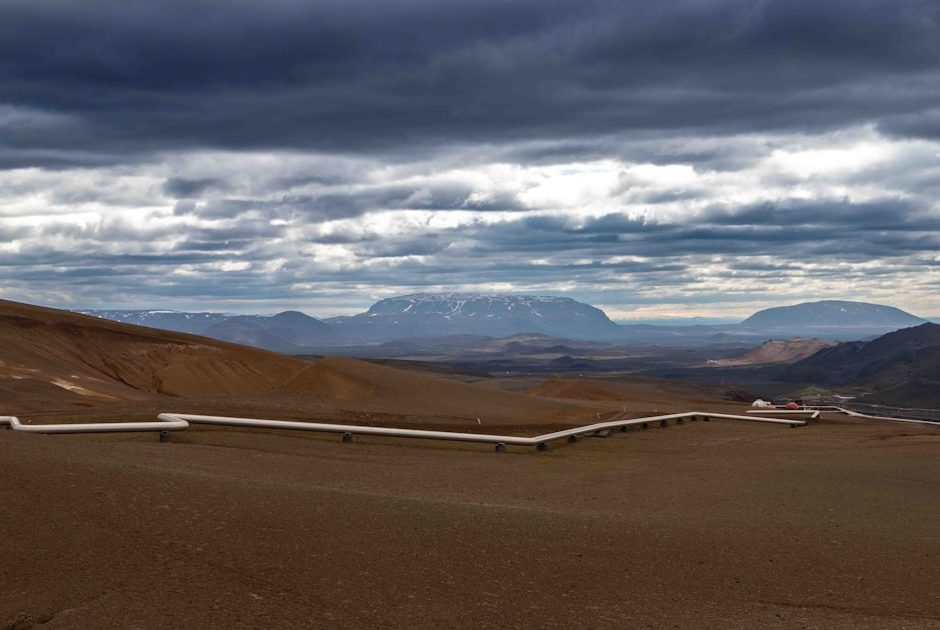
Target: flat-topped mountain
[
  {"x": 832, "y": 314},
  {"x": 440, "y": 314}
]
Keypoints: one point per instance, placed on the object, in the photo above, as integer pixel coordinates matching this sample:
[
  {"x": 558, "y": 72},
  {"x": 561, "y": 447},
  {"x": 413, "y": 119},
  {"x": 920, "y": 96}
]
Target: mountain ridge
[
  {"x": 901, "y": 367},
  {"x": 498, "y": 315}
]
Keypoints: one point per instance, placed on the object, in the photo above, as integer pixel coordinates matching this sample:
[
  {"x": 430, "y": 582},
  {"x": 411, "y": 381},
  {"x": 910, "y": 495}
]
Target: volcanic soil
[
  {"x": 719, "y": 525},
  {"x": 716, "y": 524}
]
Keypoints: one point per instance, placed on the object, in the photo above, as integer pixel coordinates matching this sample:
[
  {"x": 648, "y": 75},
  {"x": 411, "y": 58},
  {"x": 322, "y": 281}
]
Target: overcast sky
[{"x": 657, "y": 159}]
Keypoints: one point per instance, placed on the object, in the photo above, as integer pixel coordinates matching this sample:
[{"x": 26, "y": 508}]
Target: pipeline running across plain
[{"x": 181, "y": 421}]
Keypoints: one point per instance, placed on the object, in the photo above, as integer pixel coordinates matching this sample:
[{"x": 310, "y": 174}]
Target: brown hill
[
  {"x": 900, "y": 368},
  {"x": 777, "y": 351},
  {"x": 47, "y": 354},
  {"x": 56, "y": 360}
]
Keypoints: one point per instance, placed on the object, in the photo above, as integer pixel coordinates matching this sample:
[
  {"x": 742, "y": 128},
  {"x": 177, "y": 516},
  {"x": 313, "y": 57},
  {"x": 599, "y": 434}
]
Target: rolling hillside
[
  {"x": 902, "y": 367},
  {"x": 49, "y": 356},
  {"x": 52, "y": 359}
]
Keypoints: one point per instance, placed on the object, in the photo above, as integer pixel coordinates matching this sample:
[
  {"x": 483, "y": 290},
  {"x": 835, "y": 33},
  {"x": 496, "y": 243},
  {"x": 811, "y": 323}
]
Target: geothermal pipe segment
[{"x": 167, "y": 422}]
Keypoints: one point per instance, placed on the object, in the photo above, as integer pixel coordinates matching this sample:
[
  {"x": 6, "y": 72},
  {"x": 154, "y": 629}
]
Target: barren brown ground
[
  {"x": 721, "y": 525},
  {"x": 718, "y": 525}
]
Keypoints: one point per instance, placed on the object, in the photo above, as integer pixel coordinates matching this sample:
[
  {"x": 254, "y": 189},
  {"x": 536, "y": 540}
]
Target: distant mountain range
[
  {"x": 193, "y": 323},
  {"x": 901, "y": 367},
  {"x": 287, "y": 332},
  {"x": 427, "y": 315}
]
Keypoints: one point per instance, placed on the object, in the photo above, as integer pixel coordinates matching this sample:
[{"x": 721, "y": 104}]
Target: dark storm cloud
[
  {"x": 183, "y": 188},
  {"x": 134, "y": 77},
  {"x": 888, "y": 215},
  {"x": 244, "y": 230},
  {"x": 352, "y": 203},
  {"x": 424, "y": 245},
  {"x": 798, "y": 232},
  {"x": 921, "y": 124}
]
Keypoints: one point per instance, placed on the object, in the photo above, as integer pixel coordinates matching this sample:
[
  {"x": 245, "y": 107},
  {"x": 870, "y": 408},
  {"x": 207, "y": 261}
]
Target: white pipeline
[
  {"x": 855, "y": 414},
  {"x": 181, "y": 421}
]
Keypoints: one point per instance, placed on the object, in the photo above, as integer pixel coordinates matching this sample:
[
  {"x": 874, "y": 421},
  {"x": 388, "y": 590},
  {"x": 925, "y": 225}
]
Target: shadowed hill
[
  {"x": 286, "y": 332},
  {"x": 902, "y": 367},
  {"x": 63, "y": 355}
]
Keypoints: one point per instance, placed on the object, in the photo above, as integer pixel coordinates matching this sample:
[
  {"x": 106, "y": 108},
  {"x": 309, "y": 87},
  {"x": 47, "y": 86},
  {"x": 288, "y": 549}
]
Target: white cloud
[{"x": 279, "y": 218}]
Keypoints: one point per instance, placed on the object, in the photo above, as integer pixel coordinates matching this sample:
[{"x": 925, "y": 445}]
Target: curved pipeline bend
[
  {"x": 814, "y": 411},
  {"x": 856, "y": 414}
]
